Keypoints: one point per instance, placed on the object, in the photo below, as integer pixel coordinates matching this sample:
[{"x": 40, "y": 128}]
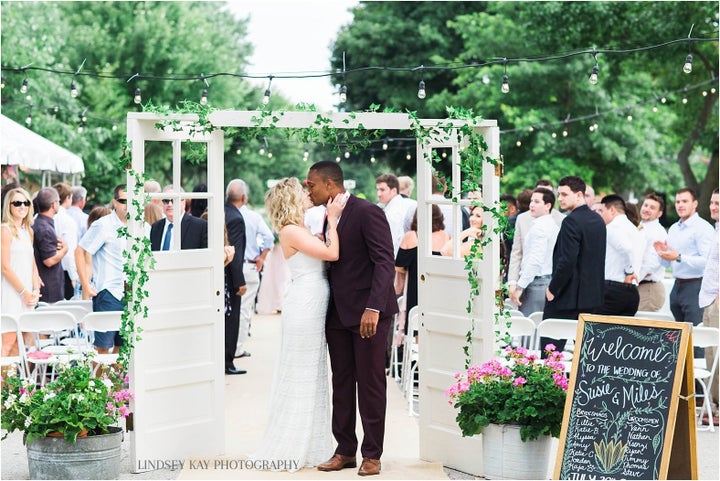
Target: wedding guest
[
  {"x": 469, "y": 235},
  {"x": 20, "y": 279},
  {"x": 49, "y": 247}
]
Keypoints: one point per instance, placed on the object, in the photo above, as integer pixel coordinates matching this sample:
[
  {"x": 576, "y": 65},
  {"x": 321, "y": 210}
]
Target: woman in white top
[
  {"x": 299, "y": 432},
  {"x": 20, "y": 279}
]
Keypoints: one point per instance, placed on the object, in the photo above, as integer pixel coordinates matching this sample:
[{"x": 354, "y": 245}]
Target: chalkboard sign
[{"x": 623, "y": 398}]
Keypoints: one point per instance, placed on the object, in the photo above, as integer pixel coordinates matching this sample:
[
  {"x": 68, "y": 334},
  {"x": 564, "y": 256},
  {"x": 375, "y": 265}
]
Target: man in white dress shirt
[
  {"x": 79, "y": 197},
  {"x": 536, "y": 265},
  {"x": 259, "y": 241},
  {"x": 623, "y": 257},
  {"x": 522, "y": 226},
  {"x": 652, "y": 272},
  {"x": 387, "y": 186}
]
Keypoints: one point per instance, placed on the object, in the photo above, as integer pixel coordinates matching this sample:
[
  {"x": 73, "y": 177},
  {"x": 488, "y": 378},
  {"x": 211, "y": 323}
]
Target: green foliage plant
[
  {"x": 74, "y": 402},
  {"x": 519, "y": 389}
]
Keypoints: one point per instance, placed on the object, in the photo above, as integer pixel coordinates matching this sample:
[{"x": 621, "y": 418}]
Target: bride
[{"x": 298, "y": 433}]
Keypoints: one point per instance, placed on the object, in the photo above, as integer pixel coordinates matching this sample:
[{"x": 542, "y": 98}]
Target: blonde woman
[
  {"x": 298, "y": 433},
  {"x": 20, "y": 279}
]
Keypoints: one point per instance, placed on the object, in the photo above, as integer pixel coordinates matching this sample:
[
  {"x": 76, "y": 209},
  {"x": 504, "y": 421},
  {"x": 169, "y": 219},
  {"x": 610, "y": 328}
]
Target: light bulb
[
  {"x": 565, "y": 132},
  {"x": 663, "y": 100},
  {"x": 704, "y": 93},
  {"x": 655, "y": 109},
  {"x": 385, "y": 146},
  {"x": 444, "y": 155},
  {"x": 343, "y": 94},
  {"x": 138, "y": 96},
  {"x": 421, "y": 90},
  {"x": 554, "y": 135},
  {"x": 712, "y": 90},
  {"x": 203, "y": 97},
  {"x": 594, "y": 75},
  {"x": 238, "y": 151},
  {"x": 346, "y": 154},
  {"x": 687, "y": 68},
  {"x": 28, "y": 120},
  {"x": 262, "y": 151},
  {"x": 629, "y": 117},
  {"x": 56, "y": 109},
  {"x": 518, "y": 143},
  {"x": 337, "y": 159},
  {"x": 684, "y": 100},
  {"x": 531, "y": 129},
  {"x": 591, "y": 128},
  {"x": 83, "y": 117},
  {"x": 266, "y": 97},
  {"x": 114, "y": 127},
  {"x": 2, "y": 83},
  {"x": 24, "y": 86},
  {"x": 306, "y": 154},
  {"x": 372, "y": 159},
  {"x": 73, "y": 89},
  {"x": 269, "y": 155},
  {"x": 505, "y": 85},
  {"x": 408, "y": 156},
  {"x": 81, "y": 127},
  {"x": 595, "y": 125}
]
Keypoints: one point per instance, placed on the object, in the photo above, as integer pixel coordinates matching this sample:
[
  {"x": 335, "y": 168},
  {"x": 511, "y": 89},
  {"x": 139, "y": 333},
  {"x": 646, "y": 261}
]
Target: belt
[
  {"x": 647, "y": 282},
  {"x": 620, "y": 284},
  {"x": 692, "y": 279},
  {"x": 547, "y": 276},
  {"x": 249, "y": 262}
]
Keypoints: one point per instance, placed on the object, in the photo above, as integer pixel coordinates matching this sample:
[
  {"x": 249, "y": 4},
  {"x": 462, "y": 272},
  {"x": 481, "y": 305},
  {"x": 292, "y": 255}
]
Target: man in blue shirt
[{"x": 686, "y": 250}]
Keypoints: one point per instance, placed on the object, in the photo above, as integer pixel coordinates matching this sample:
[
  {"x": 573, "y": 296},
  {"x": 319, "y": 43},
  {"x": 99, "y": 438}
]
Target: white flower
[
  {"x": 24, "y": 398},
  {"x": 108, "y": 383},
  {"x": 28, "y": 422},
  {"x": 9, "y": 401},
  {"x": 49, "y": 395}
]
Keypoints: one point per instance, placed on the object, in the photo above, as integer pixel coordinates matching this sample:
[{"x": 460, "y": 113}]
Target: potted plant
[
  {"x": 75, "y": 413},
  {"x": 517, "y": 403}
]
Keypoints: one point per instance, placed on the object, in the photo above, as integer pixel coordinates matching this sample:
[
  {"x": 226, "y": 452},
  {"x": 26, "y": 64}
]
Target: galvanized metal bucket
[{"x": 91, "y": 457}]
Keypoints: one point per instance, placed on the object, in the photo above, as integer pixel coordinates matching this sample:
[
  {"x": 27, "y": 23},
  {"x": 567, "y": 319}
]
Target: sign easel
[{"x": 630, "y": 409}]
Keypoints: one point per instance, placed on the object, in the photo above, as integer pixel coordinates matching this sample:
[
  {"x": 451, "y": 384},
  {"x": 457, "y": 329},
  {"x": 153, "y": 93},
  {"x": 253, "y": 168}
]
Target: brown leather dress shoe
[
  {"x": 338, "y": 462},
  {"x": 369, "y": 467}
]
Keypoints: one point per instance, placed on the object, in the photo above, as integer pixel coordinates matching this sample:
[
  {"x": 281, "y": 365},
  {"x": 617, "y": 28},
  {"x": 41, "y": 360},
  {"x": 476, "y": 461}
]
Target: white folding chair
[
  {"x": 103, "y": 321},
  {"x": 55, "y": 324},
  {"x": 558, "y": 329},
  {"x": 520, "y": 326},
  {"x": 654, "y": 316},
  {"x": 395, "y": 361},
  {"x": 537, "y": 318},
  {"x": 411, "y": 355},
  {"x": 84, "y": 303},
  {"x": 705, "y": 337},
  {"x": 10, "y": 324},
  {"x": 76, "y": 339},
  {"x": 515, "y": 312}
]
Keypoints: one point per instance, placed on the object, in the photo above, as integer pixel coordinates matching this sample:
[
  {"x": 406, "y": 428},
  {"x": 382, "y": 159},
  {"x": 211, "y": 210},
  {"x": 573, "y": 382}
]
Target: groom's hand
[{"x": 368, "y": 323}]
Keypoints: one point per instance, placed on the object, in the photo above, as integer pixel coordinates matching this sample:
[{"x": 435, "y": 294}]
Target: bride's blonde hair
[{"x": 284, "y": 202}]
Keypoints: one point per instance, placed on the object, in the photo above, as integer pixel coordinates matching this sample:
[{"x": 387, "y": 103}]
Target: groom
[{"x": 362, "y": 303}]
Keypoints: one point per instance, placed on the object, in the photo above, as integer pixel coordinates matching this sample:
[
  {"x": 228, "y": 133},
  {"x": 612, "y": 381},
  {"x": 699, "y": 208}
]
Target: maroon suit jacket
[{"x": 363, "y": 275}]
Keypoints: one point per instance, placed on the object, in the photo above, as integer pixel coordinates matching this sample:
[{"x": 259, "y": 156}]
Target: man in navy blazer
[
  {"x": 362, "y": 304},
  {"x": 193, "y": 230},
  {"x": 578, "y": 278},
  {"x": 234, "y": 277}
]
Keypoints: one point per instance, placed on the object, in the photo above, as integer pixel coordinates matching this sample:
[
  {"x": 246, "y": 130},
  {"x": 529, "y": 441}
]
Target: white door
[
  {"x": 176, "y": 370},
  {"x": 443, "y": 292}
]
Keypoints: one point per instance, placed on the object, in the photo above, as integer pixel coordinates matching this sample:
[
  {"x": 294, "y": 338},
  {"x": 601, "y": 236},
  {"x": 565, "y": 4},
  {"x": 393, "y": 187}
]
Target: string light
[
  {"x": 2, "y": 83},
  {"x": 687, "y": 68},
  {"x": 346, "y": 154},
  {"x": 505, "y": 84},
  {"x": 343, "y": 94},
  {"x": 204, "y": 93},
  {"x": 408, "y": 156},
  {"x": 203, "y": 97},
  {"x": 24, "y": 86},
  {"x": 73, "y": 90},
  {"x": 385, "y": 145},
  {"x": 266, "y": 97},
  {"x": 518, "y": 143},
  {"x": 28, "y": 119},
  {"x": 421, "y": 90},
  {"x": 114, "y": 127},
  {"x": 593, "y": 76},
  {"x": 372, "y": 158},
  {"x": 337, "y": 159}
]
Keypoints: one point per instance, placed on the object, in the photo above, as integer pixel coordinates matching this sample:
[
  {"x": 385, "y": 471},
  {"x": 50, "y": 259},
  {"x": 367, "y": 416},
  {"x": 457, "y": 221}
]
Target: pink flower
[
  {"x": 124, "y": 411},
  {"x": 110, "y": 407},
  {"x": 519, "y": 380},
  {"x": 550, "y": 347}
]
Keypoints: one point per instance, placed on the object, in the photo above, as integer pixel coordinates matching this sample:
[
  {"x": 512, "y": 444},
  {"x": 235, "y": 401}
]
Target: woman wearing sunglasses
[{"x": 20, "y": 279}]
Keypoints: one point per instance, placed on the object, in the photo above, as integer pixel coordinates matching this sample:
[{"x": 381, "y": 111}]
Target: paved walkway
[{"x": 246, "y": 413}]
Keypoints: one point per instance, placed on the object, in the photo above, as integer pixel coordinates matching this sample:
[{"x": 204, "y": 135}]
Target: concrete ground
[{"x": 244, "y": 431}]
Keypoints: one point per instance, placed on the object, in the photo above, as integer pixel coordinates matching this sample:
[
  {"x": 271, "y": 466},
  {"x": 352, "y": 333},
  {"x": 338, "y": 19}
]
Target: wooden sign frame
[{"x": 678, "y": 456}]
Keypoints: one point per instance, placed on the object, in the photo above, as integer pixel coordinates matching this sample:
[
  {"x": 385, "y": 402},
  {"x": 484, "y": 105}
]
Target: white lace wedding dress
[{"x": 298, "y": 433}]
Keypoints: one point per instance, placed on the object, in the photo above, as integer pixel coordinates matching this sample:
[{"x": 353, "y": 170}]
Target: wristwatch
[{"x": 678, "y": 258}]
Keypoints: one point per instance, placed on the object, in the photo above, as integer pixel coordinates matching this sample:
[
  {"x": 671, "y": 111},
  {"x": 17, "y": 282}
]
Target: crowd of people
[{"x": 570, "y": 252}]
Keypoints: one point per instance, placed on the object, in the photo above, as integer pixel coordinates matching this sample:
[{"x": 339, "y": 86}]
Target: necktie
[{"x": 168, "y": 237}]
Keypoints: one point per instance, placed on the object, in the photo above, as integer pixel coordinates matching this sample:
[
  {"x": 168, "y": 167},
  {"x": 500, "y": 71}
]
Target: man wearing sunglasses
[
  {"x": 193, "y": 230},
  {"x": 49, "y": 248},
  {"x": 104, "y": 244}
]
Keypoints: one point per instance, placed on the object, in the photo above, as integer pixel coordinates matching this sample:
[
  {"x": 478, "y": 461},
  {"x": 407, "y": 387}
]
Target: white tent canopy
[{"x": 28, "y": 150}]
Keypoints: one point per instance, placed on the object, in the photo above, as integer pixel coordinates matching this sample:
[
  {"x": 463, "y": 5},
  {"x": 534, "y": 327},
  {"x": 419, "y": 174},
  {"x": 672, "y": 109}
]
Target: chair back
[
  {"x": 78, "y": 312},
  {"x": 705, "y": 336},
  {"x": 557, "y": 329},
  {"x": 84, "y": 303},
  {"x": 104, "y": 321},
  {"x": 47, "y": 321},
  {"x": 9, "y": 323},
  {"x": 655, "y": 316},
  {"x": 519, "y": 326}
]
